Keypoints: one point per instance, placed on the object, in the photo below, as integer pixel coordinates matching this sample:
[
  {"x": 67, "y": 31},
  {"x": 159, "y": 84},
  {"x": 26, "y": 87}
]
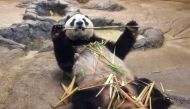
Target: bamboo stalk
[
  {"x": 163, "y": 90},
  {"x": 103, "y": 27},
  {"x": 120, "y": 104},
  {"x": 107, "y": 82},
  {"x": 142, "y": 94},
  {"x": 58, "y": 103},
  {"x": 150, "y": 101},
  {"x": 148, "y": 95},
  {"x": 72, "y": 84},
  {"x": 112, "y": 98},
  {"x": 90, "y": 87},
  {"x": 129, "y": 98}
]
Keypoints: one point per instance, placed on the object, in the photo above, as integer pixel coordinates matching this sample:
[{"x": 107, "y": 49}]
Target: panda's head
[{"x": 79, "y": 22}]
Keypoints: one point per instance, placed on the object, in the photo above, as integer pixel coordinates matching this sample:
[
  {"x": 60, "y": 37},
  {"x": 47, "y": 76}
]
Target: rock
[
  {"x": 20, "y": 31},
  {"x": 42, "y": 9},
  {"x": 104, "y": 5},
  {"x": 39, "y": 28},
  {"x": 39, "y": 10},
  {"x": 101, "y": 21},
  {"x": 6, "y": 32},
  {"x": 24, "y": 3},
  {"x": 29, "y": 32},
  {"x": 152, "y": 38},
  {"x": 10, "y": 43}
]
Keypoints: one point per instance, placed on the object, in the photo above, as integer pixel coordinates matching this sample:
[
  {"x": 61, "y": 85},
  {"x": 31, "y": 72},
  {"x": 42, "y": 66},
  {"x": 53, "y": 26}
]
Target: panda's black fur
[{"x": 65, "y": 50}]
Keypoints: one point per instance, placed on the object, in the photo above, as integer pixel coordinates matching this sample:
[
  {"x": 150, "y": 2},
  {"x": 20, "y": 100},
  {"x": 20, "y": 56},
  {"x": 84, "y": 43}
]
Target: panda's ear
[
  {"x": 86, "y": 16},
  {"x": 67, "y": 18}
]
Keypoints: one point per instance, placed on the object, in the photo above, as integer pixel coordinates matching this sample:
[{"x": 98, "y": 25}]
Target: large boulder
[
  {"x": 29, "y": 32},
  {"x": 149, "y": 38},
  {"x": 40, "y": 10},
  {"x": 104, "y": 5}
]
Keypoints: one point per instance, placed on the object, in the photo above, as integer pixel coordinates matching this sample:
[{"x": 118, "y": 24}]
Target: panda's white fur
[{"x": 79, "y": 32}]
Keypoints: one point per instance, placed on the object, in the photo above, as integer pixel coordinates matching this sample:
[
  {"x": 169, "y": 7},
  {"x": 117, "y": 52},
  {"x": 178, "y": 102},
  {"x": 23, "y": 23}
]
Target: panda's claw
[
  {"x": 133, "y": 26},
  {"x": 132, "y": 23}
]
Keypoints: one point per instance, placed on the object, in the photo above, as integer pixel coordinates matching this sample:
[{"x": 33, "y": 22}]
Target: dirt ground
[
  {"x": 25, "y": 77},
  {"x": 10, "y": 13}
]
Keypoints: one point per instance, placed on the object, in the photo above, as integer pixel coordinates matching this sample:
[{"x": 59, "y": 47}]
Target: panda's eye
[
  {"x": 72, "y": 23},
  {"x": 86, "y": 23}
]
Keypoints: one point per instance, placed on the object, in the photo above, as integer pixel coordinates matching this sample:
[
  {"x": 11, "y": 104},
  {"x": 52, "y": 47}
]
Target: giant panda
[{"x": 72, "y": 56}]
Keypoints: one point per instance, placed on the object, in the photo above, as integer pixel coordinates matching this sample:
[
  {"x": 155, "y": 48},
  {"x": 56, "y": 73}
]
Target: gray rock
[
  {"x": 104, "y": 5},
  {"x": 39, "y": 10},
  {"x": 6, "y": 32},
  {"x": 30, "y": 15},
  {"x": 24, "y": 3},
  {"x": 101, "y": 21},
  {"x": 153, "y": 38},
  {"x": 31, "y": 11},
  {"x": 20, "y": 31},
  {"x": 42, "y": 10},
  {"x": 29, "y": 32},
  {"x": 10, "y": 43},
  {"x": 39, "y": 28}
]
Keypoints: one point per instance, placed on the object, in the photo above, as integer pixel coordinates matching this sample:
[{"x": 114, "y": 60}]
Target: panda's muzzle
[{"x": 79, "y": 28}]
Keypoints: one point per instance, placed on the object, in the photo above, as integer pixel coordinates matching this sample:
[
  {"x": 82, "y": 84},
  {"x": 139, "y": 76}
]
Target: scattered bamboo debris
[
  {"x": 117, "y": 95},
  {"x": 162, "y": 87},
  {"x": 68, "y": 91},
  {"x": 165, "y": 90}
]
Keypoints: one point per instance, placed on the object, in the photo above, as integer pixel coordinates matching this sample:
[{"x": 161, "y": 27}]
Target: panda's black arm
[
  {"x": 125, "y": 42},
  {"x": 63, "y": 49}
]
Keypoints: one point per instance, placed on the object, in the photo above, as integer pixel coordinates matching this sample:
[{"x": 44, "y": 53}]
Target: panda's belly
[{"x": 91, "y": 69}]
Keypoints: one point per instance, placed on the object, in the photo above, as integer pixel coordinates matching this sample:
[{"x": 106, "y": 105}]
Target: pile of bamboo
[{"x": 117, "y": 95}]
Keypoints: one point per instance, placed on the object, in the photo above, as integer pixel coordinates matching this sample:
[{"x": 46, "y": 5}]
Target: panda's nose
[{"x": 79, "y": 23}]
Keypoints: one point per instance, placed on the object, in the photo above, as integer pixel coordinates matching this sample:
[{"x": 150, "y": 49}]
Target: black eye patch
[
  {"x": 86, "y": 23},
  {"x": 72, "y": 23}
]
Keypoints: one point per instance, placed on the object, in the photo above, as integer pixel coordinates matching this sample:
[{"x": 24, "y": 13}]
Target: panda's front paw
[
  {"x": 56, "y": 30},
  {"x": 133, "y": 26}
]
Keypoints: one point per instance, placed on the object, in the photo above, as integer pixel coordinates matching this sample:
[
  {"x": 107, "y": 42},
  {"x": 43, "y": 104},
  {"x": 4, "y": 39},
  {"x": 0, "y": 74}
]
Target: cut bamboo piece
[
  {"x": 142, "y": 94},
  {"x": 129, "y": 98},
  {"x": 107, "y": 82},
  {"x": 104, "y": 27},
  {"x": 112, "y": 99},
  {"x": 148, "y": 95},
  {"x": 59, "y": 103}
]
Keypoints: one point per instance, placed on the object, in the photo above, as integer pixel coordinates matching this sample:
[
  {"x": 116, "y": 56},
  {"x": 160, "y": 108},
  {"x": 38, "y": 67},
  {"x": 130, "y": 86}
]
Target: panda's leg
[
  {"x": 85, "y": 99},
  {"x": 125, "y": 42},
  {"x": 63, "y": 49},
  {"x": 156, "y": 96}
]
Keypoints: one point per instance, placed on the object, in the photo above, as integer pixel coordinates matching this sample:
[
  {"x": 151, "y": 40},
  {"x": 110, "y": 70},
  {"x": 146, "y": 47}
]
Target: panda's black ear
[
  {"x": 67, "y": 18},
  {"x": 86, "y": 16}
]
